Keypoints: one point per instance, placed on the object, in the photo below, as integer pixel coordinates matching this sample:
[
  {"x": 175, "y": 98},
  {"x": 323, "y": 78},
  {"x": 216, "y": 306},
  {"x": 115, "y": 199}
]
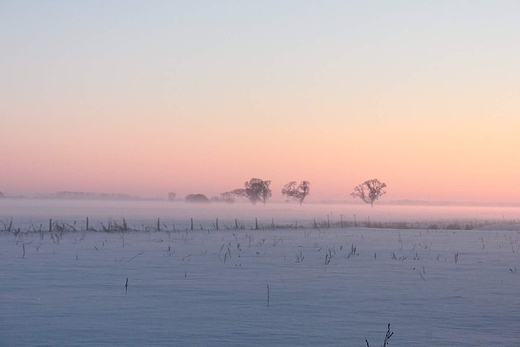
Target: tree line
[{"x": 257, "y": 190}]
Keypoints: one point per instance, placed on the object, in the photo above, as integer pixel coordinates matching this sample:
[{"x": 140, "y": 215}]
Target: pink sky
[{"x": 424, "y": 99}]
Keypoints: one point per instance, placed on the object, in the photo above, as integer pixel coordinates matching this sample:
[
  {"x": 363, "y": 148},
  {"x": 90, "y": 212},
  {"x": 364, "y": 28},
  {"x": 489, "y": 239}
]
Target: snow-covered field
[{"x": 294, "y": 286}]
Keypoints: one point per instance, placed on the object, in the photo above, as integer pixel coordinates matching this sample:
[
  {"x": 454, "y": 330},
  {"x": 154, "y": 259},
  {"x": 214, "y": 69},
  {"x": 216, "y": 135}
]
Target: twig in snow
[
  {"x": 135, "y": 256},
  {"x": 388, "y": 335}
]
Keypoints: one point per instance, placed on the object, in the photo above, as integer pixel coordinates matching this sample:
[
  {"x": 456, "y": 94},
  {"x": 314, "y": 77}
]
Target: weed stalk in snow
[{"x": 388, "y": 335}]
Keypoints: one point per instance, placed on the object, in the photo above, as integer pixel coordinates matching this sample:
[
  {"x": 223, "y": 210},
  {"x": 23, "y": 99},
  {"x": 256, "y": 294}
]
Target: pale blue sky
[{"x": 352, "y": 49}]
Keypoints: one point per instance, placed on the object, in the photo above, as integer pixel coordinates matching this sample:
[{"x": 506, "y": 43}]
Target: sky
[{"x": 148, "y": 97}]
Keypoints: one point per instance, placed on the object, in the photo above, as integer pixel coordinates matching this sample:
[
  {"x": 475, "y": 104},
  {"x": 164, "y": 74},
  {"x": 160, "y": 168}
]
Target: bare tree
[
  {"x": 172, "y": 196},
  {"x": 295, "y": 191},
  {"x": 255, "y": 190},
  {"x": 369, "y": 191}
]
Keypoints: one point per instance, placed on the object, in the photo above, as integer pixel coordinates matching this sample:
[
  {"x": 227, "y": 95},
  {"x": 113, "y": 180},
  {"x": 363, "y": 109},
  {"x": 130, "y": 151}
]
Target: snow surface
[{"x": 327, "y": 286}]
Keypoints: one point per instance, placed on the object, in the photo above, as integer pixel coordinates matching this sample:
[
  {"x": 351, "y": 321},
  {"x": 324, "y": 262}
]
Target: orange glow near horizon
[{"x": 447, "y": 162}]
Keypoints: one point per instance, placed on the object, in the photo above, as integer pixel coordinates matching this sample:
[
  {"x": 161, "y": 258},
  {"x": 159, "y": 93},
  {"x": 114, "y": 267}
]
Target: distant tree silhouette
[
  {"x": 1, "y": 195},
  {"x": 255, "y": 190},
  {"x": 196, "y": 198},
  {"x": 172, "y": 196},
  {"x": 369, "y": 191},
  {"x": 295, "y": 191},
  {"x": 227, "y": 197}
]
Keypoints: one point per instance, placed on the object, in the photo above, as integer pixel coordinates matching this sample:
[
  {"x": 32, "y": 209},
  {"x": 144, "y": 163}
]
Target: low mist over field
[{"x": 37, "y": 211}]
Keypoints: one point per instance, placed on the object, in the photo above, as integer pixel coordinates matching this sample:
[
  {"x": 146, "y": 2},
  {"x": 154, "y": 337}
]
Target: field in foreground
[
  {"x": 267, "y": 287},
  {"x": 304, "y": 281}
]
